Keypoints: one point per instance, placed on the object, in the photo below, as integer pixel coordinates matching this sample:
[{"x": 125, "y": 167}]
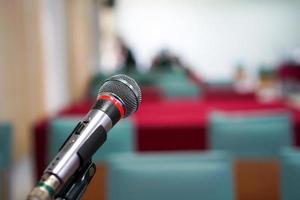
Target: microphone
[{"x": 118, "y": 97}]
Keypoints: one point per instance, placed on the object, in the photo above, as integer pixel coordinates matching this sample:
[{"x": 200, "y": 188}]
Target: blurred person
[
  {"x": 127, "y": 64},
  {"x": 242, "y": 82},
  {"x": 289, "y": 75},
  {"x": 126, "y": 57},
  {"x": 268, "y": 88},
  {"x": 166, "y": 61}
]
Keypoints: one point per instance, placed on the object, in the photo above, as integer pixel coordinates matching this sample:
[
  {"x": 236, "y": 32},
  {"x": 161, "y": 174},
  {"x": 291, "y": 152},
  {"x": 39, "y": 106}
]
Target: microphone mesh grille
[{"x": 126, "y": 89}]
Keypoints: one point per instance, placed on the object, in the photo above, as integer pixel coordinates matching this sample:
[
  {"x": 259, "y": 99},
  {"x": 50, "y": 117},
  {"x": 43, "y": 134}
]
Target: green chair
[
  {"x": 119, "y": 139},
  {"x": 5, "y": 145},
  {"x": 169, "y": 157},
  {"x": 5, "y": 157},
  {"x": 177, "y": 84},
  {"x": 179, "y": 89},
  {"x": 173, "y": 176},
  {"x": 245, "y": 135},
  {"x": 173, "y": 75},
  {"x": 143, "y": 79},
  {"x": 290, "y": 175}
]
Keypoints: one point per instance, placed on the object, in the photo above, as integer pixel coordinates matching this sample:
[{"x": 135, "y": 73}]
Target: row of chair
[
  {"x": 190, "y": 176},
  {"x": 178, "y": 176},
  {"x": 172, "y": 84},
  {"x": 253, "y": 136}
]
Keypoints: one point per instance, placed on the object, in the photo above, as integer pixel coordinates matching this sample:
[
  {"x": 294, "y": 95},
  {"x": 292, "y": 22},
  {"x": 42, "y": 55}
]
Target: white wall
[
  {"x": 211, "y": 35},
  {"x": 55, "y": 54}
]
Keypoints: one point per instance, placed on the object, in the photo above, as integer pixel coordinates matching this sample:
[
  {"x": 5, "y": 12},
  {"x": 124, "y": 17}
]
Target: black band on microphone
[
  {"x": 93, "y": 143},
  {"x": 109, "y": 108}
]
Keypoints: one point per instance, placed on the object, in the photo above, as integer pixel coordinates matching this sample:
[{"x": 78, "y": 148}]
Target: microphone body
[{"x": 89, "y": 134}]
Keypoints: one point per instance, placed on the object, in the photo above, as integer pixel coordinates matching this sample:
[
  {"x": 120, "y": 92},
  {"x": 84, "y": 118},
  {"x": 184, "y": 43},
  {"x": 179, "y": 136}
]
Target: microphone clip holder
[{"x": 78, "y": 183}]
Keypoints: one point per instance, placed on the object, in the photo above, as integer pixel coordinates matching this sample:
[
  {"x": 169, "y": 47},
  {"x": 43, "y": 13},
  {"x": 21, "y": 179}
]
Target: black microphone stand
[{"x": 78, "y": 183}]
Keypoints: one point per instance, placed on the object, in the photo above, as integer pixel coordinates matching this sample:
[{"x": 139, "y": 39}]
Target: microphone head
[{"x": 125, "y": 89}]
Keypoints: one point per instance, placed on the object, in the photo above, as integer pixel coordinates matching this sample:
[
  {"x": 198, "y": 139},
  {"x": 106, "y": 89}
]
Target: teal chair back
[
  {"x": 177, "y": 84},
  {"x": 290, "y": 176},
  {"x": 170, "y": 176},
  {"x": 119, "y": 139},
  {"x": 175, "y": 75},
  {"x": 5, "y": 145},
  {"x": 5, "y": 157},
  {"x": 250, "y": 136},
  {"x": 143, "y": 79},
  {"x": 179, "y": 89}
]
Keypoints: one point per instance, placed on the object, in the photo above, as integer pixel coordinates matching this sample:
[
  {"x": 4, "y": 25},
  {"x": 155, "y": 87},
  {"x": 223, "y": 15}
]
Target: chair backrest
[
  {"x": 290, "y": 175},
  {"x": 119, "y": 139},
  {"x": 250, "y": 135},
  {"x": 177, "y": 84},
  {"x": 5, "y": 145},
  {"x": 175, "y": 89},
  {"x": 170, "y": 176}
]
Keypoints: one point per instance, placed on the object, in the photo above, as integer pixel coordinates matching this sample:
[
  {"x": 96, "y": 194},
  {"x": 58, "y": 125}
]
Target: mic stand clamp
[{"x": 78, "y": 183}]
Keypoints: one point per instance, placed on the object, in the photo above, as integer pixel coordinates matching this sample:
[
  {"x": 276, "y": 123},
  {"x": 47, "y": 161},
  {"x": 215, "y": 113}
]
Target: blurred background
[{"x": 220, "y": 80}]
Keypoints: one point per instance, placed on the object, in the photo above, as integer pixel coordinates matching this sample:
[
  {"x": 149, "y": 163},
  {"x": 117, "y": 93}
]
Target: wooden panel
[
  {"x": 257, "y": 180},
  {"x": 97, "y": 187}
]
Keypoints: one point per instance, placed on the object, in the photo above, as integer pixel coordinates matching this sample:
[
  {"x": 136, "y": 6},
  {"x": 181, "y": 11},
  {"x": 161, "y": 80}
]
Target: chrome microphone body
[
  {"x": 119, "y": 97},
  {"x": 69, "y": 158}
]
